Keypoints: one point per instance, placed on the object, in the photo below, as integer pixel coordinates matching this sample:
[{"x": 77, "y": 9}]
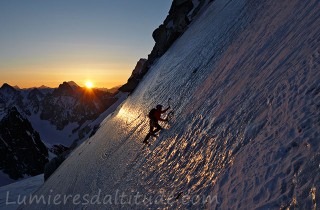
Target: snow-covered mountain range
[
  {"x": 55, "y": 118},
  {"x": 67, "y": 107},
  {"x": 245, "y": 87}
]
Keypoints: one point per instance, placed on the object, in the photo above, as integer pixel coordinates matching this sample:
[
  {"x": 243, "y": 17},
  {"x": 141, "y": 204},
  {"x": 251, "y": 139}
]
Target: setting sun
[{"x": 89, "y": 84}]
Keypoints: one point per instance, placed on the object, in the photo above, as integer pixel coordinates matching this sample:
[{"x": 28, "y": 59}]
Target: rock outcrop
[
  {"x": 181, "y": 14},
  {"x": 136, "y": 75}
]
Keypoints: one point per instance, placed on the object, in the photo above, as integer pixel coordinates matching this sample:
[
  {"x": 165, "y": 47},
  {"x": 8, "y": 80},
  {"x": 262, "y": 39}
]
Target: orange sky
[
  {"x": 53, "y": 74},
  {"x": 49, "y": 42}
]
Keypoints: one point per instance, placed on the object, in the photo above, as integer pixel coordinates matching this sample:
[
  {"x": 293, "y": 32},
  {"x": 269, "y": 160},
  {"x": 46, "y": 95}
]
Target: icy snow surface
[
  {"x": 103, "y": 116},
  {"x": 5, "y": 179},
  {"x": 245, "y": 84},
  {"x": 9, "y": 194},
  {"x": 50, "y": 134}
]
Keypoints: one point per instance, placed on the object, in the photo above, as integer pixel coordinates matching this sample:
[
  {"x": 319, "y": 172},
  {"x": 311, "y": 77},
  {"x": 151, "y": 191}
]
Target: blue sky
[{"x": 51, "y": 41}]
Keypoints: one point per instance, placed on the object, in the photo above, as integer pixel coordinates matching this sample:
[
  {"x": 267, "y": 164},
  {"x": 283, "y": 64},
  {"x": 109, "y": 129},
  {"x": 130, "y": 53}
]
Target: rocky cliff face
[
  {"x": 35, "y": 97},
  {"x": 9, "y": 97},
  {"x": 181, "y": 14},
  {"x": 22, "y": 153}
]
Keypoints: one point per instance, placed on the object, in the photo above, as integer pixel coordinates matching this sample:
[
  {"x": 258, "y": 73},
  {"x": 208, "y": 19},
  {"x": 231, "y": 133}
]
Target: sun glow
[{"x": 89, "y": 84}]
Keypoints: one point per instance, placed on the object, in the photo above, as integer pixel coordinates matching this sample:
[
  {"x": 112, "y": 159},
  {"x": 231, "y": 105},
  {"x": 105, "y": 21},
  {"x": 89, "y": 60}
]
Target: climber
[{"x": 155, "y": 117}]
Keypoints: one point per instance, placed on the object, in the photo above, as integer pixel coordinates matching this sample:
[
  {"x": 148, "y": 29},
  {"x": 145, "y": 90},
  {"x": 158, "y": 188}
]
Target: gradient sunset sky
[{"x": 46, "y": 42}]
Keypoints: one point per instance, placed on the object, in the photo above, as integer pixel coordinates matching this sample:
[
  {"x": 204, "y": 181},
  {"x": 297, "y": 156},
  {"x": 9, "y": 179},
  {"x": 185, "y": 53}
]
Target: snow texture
[
  {"x": 104, "y": 116},
  {"x": 50, "y": 134},
  {"x": 5, "y": 179},
  {"x": 9, "y": 194},
  {"x": 245, "y": 84}
]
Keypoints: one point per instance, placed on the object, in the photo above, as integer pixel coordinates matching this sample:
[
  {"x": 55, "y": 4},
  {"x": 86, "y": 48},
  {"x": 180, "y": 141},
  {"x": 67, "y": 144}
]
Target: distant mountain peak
[
  {"x": 43, "y": 87},
  {"x": 8, "y": 87},
  {"x": 64, "y": 89},
  {"x": 35, "y": 91},
  {"x": 73, "y": 84}
]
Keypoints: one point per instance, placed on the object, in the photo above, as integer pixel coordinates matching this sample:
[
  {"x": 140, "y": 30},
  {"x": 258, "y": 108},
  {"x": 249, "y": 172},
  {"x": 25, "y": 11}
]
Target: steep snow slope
[
  {"x": 9, "y": 193},
  {"x": 245, "y": 84},
  {"x": 95, "y": 124}
]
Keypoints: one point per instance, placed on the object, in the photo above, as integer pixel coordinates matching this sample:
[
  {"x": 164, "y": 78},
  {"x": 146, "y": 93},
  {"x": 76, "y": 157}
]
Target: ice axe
[{"x": 171, "y": 113}]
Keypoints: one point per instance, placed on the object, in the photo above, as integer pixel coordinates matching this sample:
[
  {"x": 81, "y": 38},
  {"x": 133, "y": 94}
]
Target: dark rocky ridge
[
  {"x": 22, "y": 153},
  {"x": 135, "y": 77},
  {"x": 181, "y": 14}
]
